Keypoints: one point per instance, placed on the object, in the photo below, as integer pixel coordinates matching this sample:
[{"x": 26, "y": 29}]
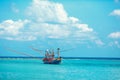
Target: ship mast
[{"x": 58, "y": 49}]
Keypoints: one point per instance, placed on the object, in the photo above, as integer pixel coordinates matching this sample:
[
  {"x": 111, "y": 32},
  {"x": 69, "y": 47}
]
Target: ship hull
[{"x": 56, "y": 61}]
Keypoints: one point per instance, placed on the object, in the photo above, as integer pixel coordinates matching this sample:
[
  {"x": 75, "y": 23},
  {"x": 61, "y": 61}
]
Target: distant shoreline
[{"x": 100, "y": 58}]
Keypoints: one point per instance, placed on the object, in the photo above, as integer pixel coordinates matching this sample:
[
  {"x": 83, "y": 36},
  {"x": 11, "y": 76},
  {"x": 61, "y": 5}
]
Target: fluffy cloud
[
  {"x": 10, "y": 27},
  {"x": 83, "y": 27},
  {"x": 53, "y": 20},
  {"x": 47, "y": 19},
  {"x": 115, "y": 12},
  {"x": 99, "y": 42},
  {"x": 46, "y": 11},
  {"x": 115, "y": 44},
  {"x": 13, "y": 30},
  {"x": 114, "y": 35}
]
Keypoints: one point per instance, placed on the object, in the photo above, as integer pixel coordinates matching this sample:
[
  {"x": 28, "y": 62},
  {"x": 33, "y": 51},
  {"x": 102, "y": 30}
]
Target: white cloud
[
  {"x": 46, "y": 11},
  {"x": 46, "y": 30},
  {"x": 22, "y": 38},
  {"x": 114, "y": 35},
  {"x": 10, "y": 29},
  {"x": 115, "y": 44},
  {"x": 47, "y": 20},
  {"x": 83, "y": 27},
  {"x": 73, "y": 20},
  {"x": 52, "y": 20},
  {"x": 115, "y": 12},
  {"x": 99, "y": 42}
]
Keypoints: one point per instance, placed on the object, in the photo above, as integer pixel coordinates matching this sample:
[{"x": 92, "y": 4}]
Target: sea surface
[{"x": 69, "y": 69}]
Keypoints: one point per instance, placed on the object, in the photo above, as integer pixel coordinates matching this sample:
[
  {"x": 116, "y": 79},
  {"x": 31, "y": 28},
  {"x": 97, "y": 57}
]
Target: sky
[{"x": 80, "y": 28}]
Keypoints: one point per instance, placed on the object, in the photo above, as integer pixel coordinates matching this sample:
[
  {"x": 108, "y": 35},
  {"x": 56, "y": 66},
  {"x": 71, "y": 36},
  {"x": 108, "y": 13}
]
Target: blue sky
[{"x": 90, "y": 28}]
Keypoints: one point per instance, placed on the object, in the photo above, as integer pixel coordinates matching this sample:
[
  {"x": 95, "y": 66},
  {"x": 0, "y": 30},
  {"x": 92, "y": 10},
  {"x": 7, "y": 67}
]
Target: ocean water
[{"x": 69, "y": 69}]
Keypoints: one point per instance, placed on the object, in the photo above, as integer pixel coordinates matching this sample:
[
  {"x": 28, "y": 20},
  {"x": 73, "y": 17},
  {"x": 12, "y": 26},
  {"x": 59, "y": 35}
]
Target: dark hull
[{"x": 52, "y": 62}]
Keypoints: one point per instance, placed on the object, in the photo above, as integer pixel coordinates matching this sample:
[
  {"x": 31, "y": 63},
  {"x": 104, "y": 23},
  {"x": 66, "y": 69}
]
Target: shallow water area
[{"x": 69, "y": 69}]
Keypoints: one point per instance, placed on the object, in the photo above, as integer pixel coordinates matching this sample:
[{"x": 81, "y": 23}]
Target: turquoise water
[{"x": 69, "y": 69}]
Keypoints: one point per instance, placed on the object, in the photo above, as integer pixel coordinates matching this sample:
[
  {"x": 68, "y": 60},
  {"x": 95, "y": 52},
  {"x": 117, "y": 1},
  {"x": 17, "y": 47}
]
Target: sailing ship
[{"x": 50, "y": 57}]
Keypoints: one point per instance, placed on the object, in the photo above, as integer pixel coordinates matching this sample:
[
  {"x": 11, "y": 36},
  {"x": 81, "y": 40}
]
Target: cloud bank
[
  {"x": 46, "y": 19},
  {"x": 114, "y": 35},
  {"x": 115, "y": 12}
]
